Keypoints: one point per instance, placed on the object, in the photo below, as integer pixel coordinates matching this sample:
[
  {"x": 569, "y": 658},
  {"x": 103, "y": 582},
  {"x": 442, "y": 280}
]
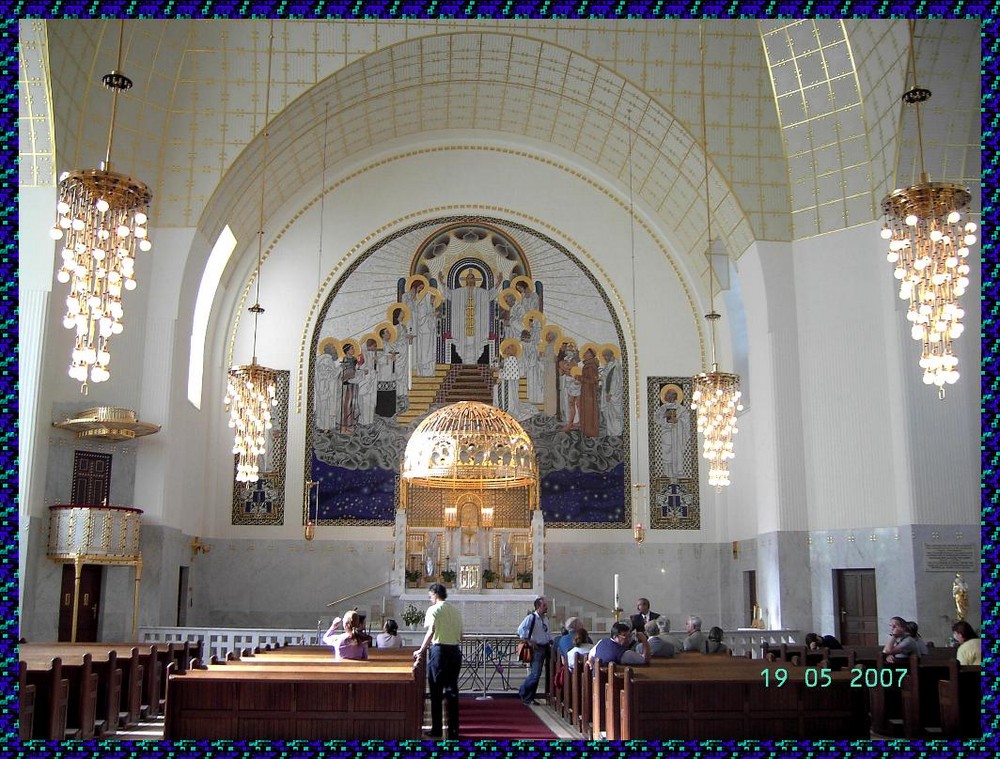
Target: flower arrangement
[
  {"x": 490, "y": 576},
  {"x": 412, "y": 615},
  {"x": 525, "y": 579},
  {"x": 412, "y": 576},
  {"x": 448, "y": 575}
]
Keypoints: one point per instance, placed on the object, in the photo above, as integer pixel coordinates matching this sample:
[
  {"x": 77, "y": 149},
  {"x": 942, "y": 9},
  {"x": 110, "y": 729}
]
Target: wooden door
[
  {"x": 91, "y": 478},
  {"x": 90, "y": 597},
  {"x": 857, "y": 612}
]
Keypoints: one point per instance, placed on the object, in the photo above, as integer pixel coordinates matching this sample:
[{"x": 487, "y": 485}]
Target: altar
[{"x": 469, "y": 516}]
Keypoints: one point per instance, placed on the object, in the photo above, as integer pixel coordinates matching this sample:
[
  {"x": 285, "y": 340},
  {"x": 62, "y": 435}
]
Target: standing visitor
[
  {"x": 534, "y": 628},
  {"x": 444, "y": 633}
]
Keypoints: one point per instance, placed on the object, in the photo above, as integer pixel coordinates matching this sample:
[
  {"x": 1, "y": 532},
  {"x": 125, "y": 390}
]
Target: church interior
[{"x": 410, "y": 232}]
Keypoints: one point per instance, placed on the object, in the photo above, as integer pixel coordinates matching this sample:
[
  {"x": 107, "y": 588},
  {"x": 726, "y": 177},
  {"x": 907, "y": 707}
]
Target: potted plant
[
  {"x": 524, "y": 579},
  {"x": 448, "y": 577},
  {"x": 412, "y": 577},
  {"x": 412, "y": 616},
  {"x": 490, "y": 578}
]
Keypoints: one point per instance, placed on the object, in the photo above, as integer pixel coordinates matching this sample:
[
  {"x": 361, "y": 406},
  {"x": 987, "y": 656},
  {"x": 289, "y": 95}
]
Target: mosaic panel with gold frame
[
  {"x": 674, "y": 495},
  {"x": 263, "y": 502}
]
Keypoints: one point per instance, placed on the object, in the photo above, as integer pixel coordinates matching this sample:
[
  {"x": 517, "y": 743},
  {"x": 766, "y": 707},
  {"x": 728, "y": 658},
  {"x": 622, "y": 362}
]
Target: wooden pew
[
  {"x": 25, "y": 703},
  {"x": 142, "y": 689},
  {"x": 960, "y": 700},
  {"x": 310, "y": 700},
  {"x": 51, "y": 700},
  {"x": 576, "y": 690},
  {"x": 919, "y": 695},
  {"x": 81, "y": 691},
  {"x": 697, "y": 696},
  {"x": 598, "y": 680}
]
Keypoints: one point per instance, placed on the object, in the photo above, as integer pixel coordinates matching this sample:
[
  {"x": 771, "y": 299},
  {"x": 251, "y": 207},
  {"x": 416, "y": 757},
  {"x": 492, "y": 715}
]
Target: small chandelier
[
  {"x": 250, "y": 393},
  {"x": 929, "y": 246},
  {"x": 715, "y": 395},
  {"x": 102, "y": 216}
]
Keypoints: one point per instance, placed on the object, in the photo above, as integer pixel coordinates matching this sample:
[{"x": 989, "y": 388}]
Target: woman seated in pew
[
  {"x": 581, "y": 645},
  {"x": 900, "y": 645},
  {"x": 350, "y": 644},
  {"x": 914, "y": 630},
  {"x": 389, "y": 637},
  {"x": 714, "y": 644},
  {"x": 970, "y": 647},
  {"x": 815, "y": 641},
  {"x": 616, "y": 648}
]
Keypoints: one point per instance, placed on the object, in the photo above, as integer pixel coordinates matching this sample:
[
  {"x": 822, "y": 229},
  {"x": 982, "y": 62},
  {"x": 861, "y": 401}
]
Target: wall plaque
[{"x": 951, "y": 557}]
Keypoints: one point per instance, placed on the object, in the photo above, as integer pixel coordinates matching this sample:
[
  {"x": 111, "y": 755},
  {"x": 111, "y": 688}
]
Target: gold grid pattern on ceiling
[{"x": 425, "y": 506}]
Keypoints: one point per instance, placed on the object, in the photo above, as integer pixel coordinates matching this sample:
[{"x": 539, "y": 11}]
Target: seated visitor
[
  {"x": 659, "y": 644},
  {"x": 714, "y": 644},
  {"x": 616, "y": 648},
  {"x": 351, "y": 643},
  {"x": 815, "y": 641},
  {"x": 900, "y": 645},
  {"x": 565, "y": 641},
  {"x": 389, "y": 637},
  {"x": 695, "y": 640},
  {"x": 914, "y": 630},
  {"x": 970, "y": 646},
  {"x": 581, "y": 645}
]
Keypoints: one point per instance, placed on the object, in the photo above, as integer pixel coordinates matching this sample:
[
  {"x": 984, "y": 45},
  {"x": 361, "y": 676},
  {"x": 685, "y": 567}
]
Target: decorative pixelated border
[{"x": 988, "y": 747}]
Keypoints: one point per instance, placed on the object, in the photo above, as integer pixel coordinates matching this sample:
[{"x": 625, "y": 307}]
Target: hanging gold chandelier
[
  {"x": 250, "y": 393},
  {"x": 929, "y": 246},
  {"x": 102, "y": 216},
  {"x": 715, "y": 395}
]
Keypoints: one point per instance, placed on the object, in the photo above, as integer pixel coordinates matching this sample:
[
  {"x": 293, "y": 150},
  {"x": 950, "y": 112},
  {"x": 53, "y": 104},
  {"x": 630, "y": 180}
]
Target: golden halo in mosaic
[
  {"x": 402, "y": 309},
  {"x": 522, "y": 278},
  {"x": 353, "y": 343},
  {"x": 504, "y": 296},
  {"x": 675, "y": 388},
  {"x": 393, "y": 334},
  {"x": 615, "y": 351},
  {"x": 414, "y": 279},
  {"x": 328, "y": 342},
  {"x": 533, "y": 314},
  {"x": 551, "y": 333},
  {"x": 510, "y": 342}
]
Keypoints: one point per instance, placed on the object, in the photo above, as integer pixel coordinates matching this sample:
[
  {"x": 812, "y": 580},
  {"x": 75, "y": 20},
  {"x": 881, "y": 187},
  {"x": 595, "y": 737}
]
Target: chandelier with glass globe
[
  {"x": 929, "y": 243},
  {"x": 102, "y": 221},
  {"x": 715, "y": 395}
]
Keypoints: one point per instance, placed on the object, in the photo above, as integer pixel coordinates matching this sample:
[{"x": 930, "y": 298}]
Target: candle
[
  {"x": 616, "y": 591},
  {"x": 383, "y": 606}
]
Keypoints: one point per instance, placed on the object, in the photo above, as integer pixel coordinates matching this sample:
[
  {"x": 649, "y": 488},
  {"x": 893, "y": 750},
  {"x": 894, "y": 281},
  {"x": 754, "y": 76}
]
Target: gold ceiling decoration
[
  {"x": 470, "y": 445},
  {"x": 107, "y": 423}
]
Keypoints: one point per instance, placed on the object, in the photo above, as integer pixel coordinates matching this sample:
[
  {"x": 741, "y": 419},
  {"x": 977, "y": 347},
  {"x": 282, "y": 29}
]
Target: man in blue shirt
[
  {"x": 534, "y": 628},
  {"x": 616, "y": 648}
]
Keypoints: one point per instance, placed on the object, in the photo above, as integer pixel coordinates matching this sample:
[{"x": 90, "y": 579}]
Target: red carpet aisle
[{"x": 499, "y": 718}]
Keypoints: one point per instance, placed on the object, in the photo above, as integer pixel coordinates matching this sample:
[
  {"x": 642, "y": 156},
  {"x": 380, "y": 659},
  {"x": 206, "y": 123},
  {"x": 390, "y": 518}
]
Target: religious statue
[
  {"x": 430, "y": 555},
  {"x": 506, "y": 558},
  {"x": 960, "y": 591}
]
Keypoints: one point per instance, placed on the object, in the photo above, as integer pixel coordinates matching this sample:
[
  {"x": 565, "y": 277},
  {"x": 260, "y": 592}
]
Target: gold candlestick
[{"x": 617, "y": 612}]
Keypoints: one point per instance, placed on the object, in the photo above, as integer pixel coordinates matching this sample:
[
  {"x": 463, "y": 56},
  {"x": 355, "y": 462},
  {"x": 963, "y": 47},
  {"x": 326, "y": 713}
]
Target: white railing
[
  {"x": 751, "y": 639},
  {"x": 219, "y": 641}
]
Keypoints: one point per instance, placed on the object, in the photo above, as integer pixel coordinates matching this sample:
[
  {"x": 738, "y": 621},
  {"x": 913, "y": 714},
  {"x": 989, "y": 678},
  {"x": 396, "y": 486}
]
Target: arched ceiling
[{"x": 802, "y": 116}]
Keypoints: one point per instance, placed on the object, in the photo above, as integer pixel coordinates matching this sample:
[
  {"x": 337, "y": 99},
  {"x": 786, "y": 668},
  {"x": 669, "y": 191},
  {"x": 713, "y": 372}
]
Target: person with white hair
[
  {"x": 659, "y": 644},
  {"x": 695, "y": 640}
]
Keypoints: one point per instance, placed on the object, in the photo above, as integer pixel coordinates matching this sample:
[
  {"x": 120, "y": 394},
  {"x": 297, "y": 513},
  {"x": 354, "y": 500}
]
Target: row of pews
[
  {"x": 91, "y": 690},
  {"x": 800, "y": 695},
  {"x": 298, "y": 693}
]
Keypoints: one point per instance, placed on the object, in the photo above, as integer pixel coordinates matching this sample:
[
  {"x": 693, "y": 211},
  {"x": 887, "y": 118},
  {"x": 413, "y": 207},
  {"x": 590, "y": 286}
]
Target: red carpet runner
[{"x": 499, "y": 718}]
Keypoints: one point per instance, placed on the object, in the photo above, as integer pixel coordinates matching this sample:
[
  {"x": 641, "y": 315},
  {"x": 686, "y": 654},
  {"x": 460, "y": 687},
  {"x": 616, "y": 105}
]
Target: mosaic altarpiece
[
  {"x": 468, "y": 309},
  {"x": 674, "y": 499},
  {"x": 263, "y": 502}
]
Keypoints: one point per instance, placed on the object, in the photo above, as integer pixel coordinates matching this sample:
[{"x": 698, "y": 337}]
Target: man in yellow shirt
[{"x": 444, "y": 661}]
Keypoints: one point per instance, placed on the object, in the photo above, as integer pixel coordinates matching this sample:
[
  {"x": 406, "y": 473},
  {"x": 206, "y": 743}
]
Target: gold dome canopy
[{"x": 470, "y": 445}]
